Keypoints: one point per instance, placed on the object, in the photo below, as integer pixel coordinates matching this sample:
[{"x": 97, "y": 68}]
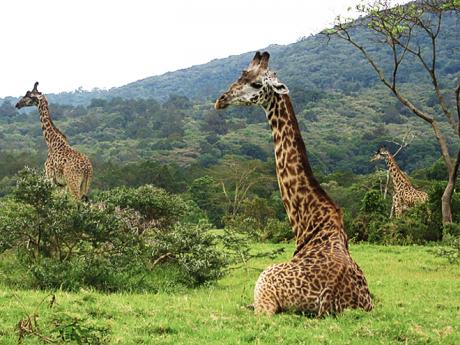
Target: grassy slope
[{"x": 417, "y": 299}]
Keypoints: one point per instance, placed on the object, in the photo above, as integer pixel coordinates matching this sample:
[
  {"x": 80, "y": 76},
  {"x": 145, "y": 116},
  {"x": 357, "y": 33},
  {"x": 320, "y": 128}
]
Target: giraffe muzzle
[{"x": 221, "y": 103}]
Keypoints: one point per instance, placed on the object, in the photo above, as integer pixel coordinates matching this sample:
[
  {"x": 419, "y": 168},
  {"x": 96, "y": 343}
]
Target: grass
[{"x": 417, "y": 301}]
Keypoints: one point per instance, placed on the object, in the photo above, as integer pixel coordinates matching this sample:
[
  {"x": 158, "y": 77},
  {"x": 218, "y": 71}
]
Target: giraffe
[
  {"x": 405, "y": 194},
  {"x": 321, "y": 278},
  {"x": 64, "y": 165}
]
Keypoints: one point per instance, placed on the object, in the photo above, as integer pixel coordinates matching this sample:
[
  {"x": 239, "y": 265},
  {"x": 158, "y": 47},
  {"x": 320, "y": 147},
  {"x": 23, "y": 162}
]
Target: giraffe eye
[{"x": 256, "y": 85}]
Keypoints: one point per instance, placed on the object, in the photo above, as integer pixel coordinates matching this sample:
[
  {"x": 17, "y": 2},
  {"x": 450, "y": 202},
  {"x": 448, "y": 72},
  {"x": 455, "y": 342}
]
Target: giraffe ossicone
[
  {"x": 321, "y": 277},
  {"x": 405, "y": 194},
  {"x": 65, "y": 166}
]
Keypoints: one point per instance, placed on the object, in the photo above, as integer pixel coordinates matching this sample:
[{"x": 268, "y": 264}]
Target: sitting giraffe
[
  {"x": 405, "y": 195},
  {"x": 321, "y": 277},
  {"x": 65, "y": 166}
]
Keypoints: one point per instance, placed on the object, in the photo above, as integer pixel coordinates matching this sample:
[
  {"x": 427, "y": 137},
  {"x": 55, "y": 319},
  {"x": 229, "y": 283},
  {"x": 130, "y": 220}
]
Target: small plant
[
  {"x": 62, "y": 328},
  {"x": 79, "y": 330},
  {"x": 452, "y": 252}
]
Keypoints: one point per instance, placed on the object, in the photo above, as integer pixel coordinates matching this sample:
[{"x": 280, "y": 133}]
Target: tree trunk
[{"x": 446, "y": 199}]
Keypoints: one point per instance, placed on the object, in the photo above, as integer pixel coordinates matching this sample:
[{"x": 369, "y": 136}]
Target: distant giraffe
[
  {"x": 405, "y": 195},
  {"x": 65, "y": 166},
  {"x": 321, "y": 278}
]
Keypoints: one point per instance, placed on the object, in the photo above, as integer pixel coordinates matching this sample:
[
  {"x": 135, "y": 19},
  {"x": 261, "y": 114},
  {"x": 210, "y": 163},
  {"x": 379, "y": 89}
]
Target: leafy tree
[
  {"x": 213, "y": 122},
  {"x": 206, "y": 193}
]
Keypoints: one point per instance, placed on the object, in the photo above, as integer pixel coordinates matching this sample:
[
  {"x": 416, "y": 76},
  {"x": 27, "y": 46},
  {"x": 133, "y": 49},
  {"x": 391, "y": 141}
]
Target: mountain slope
[{"x": 343, "y": 110}]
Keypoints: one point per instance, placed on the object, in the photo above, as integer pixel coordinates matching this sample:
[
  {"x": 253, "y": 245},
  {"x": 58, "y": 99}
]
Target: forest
[{"x": 185, "y": 201}]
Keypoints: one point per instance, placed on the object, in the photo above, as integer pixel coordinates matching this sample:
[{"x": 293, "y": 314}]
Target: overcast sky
[{"x": 106, "y": 43}]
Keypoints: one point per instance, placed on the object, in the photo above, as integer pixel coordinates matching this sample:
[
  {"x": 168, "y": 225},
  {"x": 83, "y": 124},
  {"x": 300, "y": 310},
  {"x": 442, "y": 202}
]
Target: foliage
[
  {"x": 372, "y": 214},
  {"x": 277, "y": 231},
  {"x": 155, "y": 206},
  {"x": 412, "y": 227},
  {"x": 111, "y": 245},
  {"x": 65, "y": 243},
  {"x": 73, "y": 329},
  {"x": 207, "y": 194},
  {"x": 192, "y": 248}
]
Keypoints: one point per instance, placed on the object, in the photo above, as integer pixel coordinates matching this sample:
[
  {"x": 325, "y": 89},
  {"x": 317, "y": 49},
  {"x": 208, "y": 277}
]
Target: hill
[{"x": 343, "y": 111}]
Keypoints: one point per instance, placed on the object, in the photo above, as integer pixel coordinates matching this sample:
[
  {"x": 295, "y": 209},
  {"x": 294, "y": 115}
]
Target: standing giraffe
[
  {"x": 405, "y": 195},
  {"x": 65, "y": 166},
  {"x": 321, "y": 277}
]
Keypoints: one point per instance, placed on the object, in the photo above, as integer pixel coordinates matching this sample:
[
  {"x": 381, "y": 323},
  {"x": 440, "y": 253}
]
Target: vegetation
[{"x": 111, "y": 245}]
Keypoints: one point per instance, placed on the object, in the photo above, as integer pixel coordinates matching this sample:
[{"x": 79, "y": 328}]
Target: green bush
[
  {"x": 153, "y": 204},
  {"x": 192, "y": 248},
  {"x": 277, "y": 231},
  {"x": 112, "y": 245},
  {"x": 243, "y": 225},
  {"x": 366, "y": 226},
  {"x": 451, "y": 230}
]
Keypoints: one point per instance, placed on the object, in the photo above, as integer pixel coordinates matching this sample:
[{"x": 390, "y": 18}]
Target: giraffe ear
[
  {"x": 264, "y": 60},
  {"x": 255, "y": 60},
  {"x": 279, "y": 87}
]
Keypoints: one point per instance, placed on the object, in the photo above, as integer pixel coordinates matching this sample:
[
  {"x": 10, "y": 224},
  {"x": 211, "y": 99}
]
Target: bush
[
  {"x": 435, "y": 208},
  {"x": 192, "y": 248},
  {"x": 452, "y": 251},
  {"x": 372, "y": 214},
  {"x": 412, "y": 227},
  {"x": 243, "y": 225},
  {"x": 277, "y": 231},
  {"x": 153, "y": 204},
  {"x": 112, "y": 245}
]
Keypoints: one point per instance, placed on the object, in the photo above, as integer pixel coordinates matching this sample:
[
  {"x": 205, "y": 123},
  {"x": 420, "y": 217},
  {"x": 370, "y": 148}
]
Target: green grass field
[{"x": 417, "y": 301}]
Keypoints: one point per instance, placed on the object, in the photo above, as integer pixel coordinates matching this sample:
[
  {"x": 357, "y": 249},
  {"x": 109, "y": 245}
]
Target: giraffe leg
[
  {"x": 265, "y": 301},
  {"x": 73, "y": 181},
  {"x": 397, "y": 206},
  {"x": 49, "y": 170},
  {"x": 325, "y": 302},
  {"x": 266, "y": 307}
]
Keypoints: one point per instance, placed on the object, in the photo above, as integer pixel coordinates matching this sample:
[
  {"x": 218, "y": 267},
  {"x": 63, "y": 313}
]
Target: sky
[{"x": 108, "y": 43}]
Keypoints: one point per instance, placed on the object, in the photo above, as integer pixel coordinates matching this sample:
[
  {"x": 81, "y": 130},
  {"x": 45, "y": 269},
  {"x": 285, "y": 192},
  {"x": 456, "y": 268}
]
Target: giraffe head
[
  {"x": 30, "y": 98},
  {"x": 256, "y": 85},
  {"x": 381, "y": 154}
]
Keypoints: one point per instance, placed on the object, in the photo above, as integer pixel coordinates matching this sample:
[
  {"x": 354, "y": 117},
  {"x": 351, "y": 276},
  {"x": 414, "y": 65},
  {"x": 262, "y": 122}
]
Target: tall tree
[{"x": 405, "y": 31}]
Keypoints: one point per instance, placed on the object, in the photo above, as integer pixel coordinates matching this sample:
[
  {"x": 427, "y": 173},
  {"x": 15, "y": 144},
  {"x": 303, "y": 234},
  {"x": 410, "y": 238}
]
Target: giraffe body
[
  {"x": 405, "y": 194},
  {"x": 321, "y": 277},
  {"x": 64, "y": 165}
]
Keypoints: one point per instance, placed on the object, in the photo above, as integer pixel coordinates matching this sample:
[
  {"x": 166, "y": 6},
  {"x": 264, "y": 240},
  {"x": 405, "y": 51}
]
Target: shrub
[
  {"x": 112, "y": 245},
  {"x": 452, "y": 251},
  {"x": 243, "y": 225},
  {"x": 367, "y": 224},
  {"x": 192, "y": 248},
  {"x": 153, "y": 204},
  {"x": 277, "y": 231}
]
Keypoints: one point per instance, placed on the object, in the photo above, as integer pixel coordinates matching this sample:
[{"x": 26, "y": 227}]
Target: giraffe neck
[
  {"x": 53, "y": 136},
  {"x": 400, "y": 181},
  {"x": 312, "y": 213}
]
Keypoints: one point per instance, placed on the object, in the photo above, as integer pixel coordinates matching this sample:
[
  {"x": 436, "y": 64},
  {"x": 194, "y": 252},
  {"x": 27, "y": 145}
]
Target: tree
[
  {"x": 238, "y": 178},
  {"x": 206, "y": 193},
  {"x": 404, "y": 30}
]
